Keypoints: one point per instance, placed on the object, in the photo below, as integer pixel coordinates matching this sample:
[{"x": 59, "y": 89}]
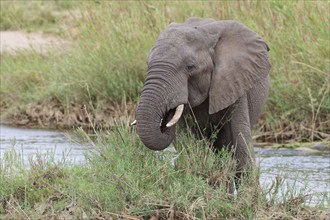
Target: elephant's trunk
[
  {"x": 151, "y": 117},
  {"x": 158, "y": 106}
]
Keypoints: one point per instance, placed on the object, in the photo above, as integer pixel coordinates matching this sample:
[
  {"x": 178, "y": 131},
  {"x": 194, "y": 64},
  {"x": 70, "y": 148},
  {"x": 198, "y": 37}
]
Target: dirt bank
[
  {"x": 53, "y": 115},
  {"x": 13, "y": 41}
]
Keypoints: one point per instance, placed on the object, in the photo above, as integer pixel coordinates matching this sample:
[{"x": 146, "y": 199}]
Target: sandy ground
[{"x": 12, "y": 41}]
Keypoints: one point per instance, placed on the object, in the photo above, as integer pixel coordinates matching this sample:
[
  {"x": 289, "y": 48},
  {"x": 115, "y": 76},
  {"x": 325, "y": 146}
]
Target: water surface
[
  {"x": 303, "y": 171},
  {"x": 30, "y": 142}
]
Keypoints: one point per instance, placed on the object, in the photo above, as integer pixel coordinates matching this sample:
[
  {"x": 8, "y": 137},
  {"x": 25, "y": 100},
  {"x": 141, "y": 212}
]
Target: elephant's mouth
[
  {"x": 171, "y": 118},
  {"x": 168, "y": 116}
]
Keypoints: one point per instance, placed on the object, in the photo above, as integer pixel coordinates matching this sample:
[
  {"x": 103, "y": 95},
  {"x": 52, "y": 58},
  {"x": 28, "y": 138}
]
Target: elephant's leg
[
  {"x": 224, "y": 140},
  {"x": 236, "y": 135},
  {"x": 239, "y": 130},
  {"x": 242, "y": 138}
]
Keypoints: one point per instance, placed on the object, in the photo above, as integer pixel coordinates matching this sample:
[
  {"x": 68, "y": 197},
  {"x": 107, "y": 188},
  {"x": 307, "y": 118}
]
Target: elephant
[{"x": 217, "y": 69}]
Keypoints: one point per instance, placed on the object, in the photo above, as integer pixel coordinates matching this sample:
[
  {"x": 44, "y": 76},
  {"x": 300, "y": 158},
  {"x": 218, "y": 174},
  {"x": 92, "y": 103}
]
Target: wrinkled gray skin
[{"x": 221, "y": 69}]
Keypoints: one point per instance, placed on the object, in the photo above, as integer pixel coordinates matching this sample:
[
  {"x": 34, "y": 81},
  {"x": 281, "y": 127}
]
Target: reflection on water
[{"x": 302, "y": 170}]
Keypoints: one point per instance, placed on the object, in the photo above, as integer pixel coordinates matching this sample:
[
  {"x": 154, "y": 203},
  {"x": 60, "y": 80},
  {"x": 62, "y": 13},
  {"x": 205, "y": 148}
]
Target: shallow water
[
  {"x": 29, "y": 142},
  {"x": 303, "y": 171},
  {"x": 306, "y": 171}
]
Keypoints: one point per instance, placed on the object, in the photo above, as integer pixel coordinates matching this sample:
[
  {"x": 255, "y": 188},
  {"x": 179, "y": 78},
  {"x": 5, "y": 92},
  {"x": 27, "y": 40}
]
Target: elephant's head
[{"x": 193, "y": 61}]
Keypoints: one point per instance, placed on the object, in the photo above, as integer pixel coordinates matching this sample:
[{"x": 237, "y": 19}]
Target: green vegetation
[
  {"x": 34, "y": 15},
  {"x": 122, "y": 178},
  {"x": 105, "y": 62}
]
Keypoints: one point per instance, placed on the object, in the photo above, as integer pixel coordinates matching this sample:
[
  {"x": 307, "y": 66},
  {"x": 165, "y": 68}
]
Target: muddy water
[{"x": 303, "y": 170}]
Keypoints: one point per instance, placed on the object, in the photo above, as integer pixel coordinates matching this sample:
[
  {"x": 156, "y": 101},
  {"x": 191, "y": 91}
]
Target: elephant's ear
[{"x": 240, "y": 59}]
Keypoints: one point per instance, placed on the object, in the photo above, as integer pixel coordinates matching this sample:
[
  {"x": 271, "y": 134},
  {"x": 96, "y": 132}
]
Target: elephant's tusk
[
  {"x": 133, "y": 123},
  {"x": 176, "y": 117}
]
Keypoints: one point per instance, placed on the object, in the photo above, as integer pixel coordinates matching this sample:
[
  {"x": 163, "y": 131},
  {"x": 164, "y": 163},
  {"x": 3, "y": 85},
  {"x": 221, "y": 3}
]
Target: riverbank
[{"x": 53, "y": 115}]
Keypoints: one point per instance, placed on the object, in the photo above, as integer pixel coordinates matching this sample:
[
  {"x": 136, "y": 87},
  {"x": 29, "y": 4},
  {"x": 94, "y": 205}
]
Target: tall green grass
[
  {"x": 124, "y": 180},
  {"x": 111, "y": 40}
]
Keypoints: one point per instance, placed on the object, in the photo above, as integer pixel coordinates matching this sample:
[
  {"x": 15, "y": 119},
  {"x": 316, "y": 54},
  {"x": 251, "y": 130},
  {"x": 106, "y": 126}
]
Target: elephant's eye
[{"x": 190, "y": 67}]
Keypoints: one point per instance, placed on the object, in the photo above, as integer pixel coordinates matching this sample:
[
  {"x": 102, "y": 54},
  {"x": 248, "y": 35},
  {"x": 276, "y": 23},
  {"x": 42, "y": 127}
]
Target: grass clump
[
  {"x": 123, "y": 179},
  {"x": 28, "y": 193}
]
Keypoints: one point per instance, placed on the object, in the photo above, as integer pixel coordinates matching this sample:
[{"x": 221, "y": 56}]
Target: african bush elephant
[{"x": 218, "y": 68}]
